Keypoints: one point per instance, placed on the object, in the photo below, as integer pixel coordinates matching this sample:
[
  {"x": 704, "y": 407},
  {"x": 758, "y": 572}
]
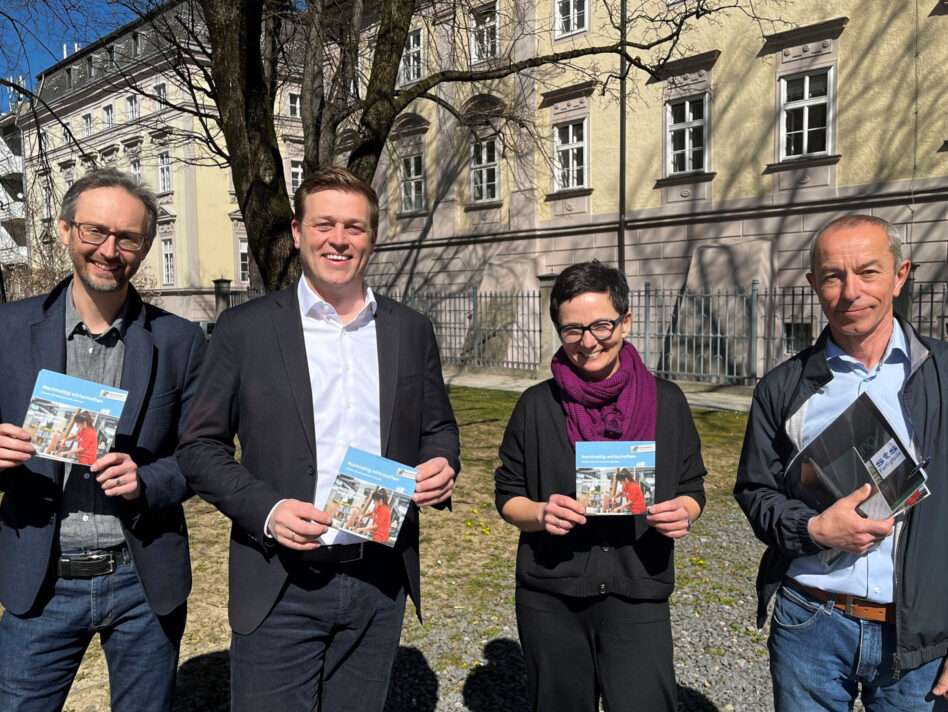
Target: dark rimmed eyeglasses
[
  {"x": 601, "y": 329},
  {"x": 93, "y": 234}
]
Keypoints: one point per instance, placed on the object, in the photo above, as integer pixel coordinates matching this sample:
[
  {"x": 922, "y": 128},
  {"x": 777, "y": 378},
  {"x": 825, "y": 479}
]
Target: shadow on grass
[{"x": 413, "y": 685}]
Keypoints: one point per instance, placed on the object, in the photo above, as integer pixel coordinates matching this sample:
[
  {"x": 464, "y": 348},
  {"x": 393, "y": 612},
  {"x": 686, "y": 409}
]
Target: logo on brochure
[{"x": 888, "y": 458}]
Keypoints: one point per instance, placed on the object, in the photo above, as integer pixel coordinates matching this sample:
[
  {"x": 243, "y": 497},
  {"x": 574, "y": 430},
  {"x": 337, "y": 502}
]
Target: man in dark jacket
[
  {"x": 100, "y": 548},
  {"x": 874, "y": 617}
]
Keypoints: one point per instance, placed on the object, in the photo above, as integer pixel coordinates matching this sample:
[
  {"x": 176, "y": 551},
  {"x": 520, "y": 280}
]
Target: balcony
[
  {"x": 12, "y": 215},
  {"x": 11, "y": 165}
]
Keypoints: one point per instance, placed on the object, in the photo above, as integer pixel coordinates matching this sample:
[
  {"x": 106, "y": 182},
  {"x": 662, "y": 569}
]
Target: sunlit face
[
  {"x": 335, "y": 241},
  {"x": 594, "y": 359},
  {"x": 105, "y": 267},
  {"x": 855, "y": 279}
]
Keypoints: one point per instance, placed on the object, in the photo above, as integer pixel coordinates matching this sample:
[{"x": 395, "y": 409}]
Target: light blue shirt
[{"x": 868, "y": 576}]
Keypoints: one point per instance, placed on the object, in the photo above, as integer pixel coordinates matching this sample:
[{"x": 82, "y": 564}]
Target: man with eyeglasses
[
  {"x": 100, "y": 548},
  {"x": 299, "y": 376}
]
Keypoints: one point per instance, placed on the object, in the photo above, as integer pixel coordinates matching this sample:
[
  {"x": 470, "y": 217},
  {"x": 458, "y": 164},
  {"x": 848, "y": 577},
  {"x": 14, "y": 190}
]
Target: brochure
[
  {"x": 615, "y": 477},
  {"x": 860, "y": 446},
  {"x": 370, "y": 496},
  {"x": 71, "y": 419}
]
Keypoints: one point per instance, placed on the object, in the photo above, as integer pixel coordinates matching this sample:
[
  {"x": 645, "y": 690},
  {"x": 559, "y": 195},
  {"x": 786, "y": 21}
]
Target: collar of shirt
[
  {"x": 896, "y": 351},
  {"x": 74, "y": 320},
  {"x": 314, "y": 306}
]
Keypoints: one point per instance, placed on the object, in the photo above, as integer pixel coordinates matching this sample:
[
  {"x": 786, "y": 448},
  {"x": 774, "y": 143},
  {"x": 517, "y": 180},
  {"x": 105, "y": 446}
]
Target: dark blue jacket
[{"x": 163, "y": 356}]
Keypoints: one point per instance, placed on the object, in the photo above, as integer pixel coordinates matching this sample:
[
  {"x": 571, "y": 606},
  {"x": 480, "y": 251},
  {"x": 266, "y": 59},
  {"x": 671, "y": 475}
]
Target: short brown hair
[{"x": 334, "y": 178}]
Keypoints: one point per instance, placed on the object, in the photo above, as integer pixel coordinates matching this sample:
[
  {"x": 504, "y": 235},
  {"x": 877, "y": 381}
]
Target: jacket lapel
[
  {"x": 49, "y": 346},
  {"x": 386, "y": 336},
  {"x": 289, "y": 336}
]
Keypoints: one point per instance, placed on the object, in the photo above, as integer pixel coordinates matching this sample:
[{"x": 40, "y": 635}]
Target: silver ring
[
  {"x": 118, "y": 481},
  {"x": 292, "y": 536},
  {"x": 560, "y": 521}
]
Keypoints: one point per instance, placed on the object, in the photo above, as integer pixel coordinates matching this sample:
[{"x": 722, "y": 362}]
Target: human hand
[
  {"x": 15, "y": 447},
  {"x": 561, "y": 514},
  {"x": 117, "y": 474},
  {"x": 298, "y": 525},
  {"x": 670, "y": 518},
  {"x": 434, "y": 482},
  {"x": 940, "y": 688},
  {"x": 842, "y": 527}
]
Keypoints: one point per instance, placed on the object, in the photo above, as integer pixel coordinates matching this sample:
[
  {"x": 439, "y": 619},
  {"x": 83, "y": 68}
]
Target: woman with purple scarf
[{"x": 592, "y": 591}]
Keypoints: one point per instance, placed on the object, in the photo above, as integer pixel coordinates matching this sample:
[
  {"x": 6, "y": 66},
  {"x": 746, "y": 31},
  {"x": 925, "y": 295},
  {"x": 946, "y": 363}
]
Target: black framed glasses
[
  {"x": 93, "y": 234},
  {"x": 601, "y": 329}
]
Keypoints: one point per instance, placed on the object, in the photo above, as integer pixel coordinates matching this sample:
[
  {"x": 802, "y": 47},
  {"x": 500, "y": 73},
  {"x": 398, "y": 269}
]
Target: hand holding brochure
[
  {"x": 370, "y": 496},
  {"x": 615, "y": 477},
  {"x": 71, "y": 419}
]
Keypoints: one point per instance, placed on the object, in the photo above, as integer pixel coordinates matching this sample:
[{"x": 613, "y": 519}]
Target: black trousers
[{"x": 578, "y": 650}]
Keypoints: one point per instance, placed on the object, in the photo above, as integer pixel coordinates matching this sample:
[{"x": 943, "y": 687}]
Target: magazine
[
  {"x": 859, "y": 447},
  {"x": 370, "y": 496},
  {"x": 615, "y": 477},
  {"x": 73, "y": 420}
]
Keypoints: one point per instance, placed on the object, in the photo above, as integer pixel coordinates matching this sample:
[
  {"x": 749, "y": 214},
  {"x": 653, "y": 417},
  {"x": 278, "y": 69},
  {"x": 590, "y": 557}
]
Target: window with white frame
[
  {"x": 161, "y": 96},
  {"x": 65, "y": 132},
  {"x": 484, "y": 44},
  {"x": 411, "y": 69},
  {"x": 686, "y": 122},
  {"x": 805, "y": 114},
  {"x": 110, "y": 53},
  {"x": 484, "y": 170},
  {"x": 243, "y": 257},
  {"x": 43, "y": 140},
  {"x": 164, "y": 172},
  {"x": 90, "y": 67},
  {"x": 356, "y": 86},
  {"x": 108, "y": 116},
  {"x": 570, "y": 154},
  {"x": 570, "y": 17},
  {"x": 296, "y": 175},
  {"x": 167, "y": 261},
  {"x": 135, "y": 169},
  {"x": 413, "y": 183},
  {"x": 131, "y": 108},
  {"x": 86, "y": 125},
  {"x": 137, "y": 45},
  {"x": 296, "y": 110}
]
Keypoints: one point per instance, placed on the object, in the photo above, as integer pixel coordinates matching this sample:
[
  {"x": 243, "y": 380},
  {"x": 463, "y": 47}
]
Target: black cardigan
[{"x": 609, "y": 554}]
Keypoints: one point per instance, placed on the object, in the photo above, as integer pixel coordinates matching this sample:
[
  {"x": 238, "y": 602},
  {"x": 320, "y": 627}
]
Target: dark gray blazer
[
  {"x": 163, "y": 356},
  {"x": 256, "y": 386}
]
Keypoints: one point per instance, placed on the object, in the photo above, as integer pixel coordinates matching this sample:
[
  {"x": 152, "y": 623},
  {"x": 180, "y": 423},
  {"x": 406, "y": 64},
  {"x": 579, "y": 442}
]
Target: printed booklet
[
  {"x": 71, "y": 419},
  {"x": 370, "y": 496},
  {"x": 615, "y": 477}
]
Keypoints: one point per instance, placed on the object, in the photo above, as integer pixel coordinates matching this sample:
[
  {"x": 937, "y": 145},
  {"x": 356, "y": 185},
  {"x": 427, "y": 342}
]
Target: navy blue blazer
[
  {"x": 256, "y": 385},
  {"x": 163, "y": 356}
]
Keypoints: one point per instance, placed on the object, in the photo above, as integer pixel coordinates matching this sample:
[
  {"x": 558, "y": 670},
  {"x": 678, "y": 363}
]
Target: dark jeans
[
  {"x": 41, "y": 652},
  {"x": 580, "y": 649},
  {"x": 328, "y": 643}
]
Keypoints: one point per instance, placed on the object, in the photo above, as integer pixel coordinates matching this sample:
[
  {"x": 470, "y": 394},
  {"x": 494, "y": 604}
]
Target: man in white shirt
[{"x": 298, "y": 377}]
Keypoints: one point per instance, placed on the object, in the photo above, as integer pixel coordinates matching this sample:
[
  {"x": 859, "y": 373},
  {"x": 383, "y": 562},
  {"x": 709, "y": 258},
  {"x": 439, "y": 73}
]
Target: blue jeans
[
  {"x": 328, "y": 644},
  {"x": 40, "y": 652},
  {"x": 820, "y": 657}
]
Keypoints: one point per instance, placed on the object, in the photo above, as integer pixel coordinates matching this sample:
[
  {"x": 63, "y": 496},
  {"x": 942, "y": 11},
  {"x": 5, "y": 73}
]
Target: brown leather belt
[{"x": 852, "y": 606}]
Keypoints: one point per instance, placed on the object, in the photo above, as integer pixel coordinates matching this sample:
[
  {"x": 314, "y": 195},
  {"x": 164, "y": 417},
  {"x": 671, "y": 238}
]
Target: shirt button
[
  {"x": 602, "y": 588},
  {"x": 90, "y": 349},
  {"x": 605, "y": 547},
  {"x": 876, "y": 589},
  {"x": 85, "y": 518},
  {"x": 85, "y": 476}
]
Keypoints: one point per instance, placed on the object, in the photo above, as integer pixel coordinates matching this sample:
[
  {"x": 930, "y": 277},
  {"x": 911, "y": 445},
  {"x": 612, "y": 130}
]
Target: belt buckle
[{"x": 357, "y": 557}]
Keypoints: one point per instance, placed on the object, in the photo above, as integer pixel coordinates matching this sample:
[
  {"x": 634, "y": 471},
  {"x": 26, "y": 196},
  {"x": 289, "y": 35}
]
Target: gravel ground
[{"x": 720, "y": 656}]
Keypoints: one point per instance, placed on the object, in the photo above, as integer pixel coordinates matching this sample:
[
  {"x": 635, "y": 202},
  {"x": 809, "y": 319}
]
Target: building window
[
  {"x": 687, "y": 125},
  {"x": 131, "y": 108},
  {"x": 137, "y": 43},
  {"x": 296, "y": 110},
  {"x": 570, "y": 156},
  {"x": 167, "y": 261},
  {"x": 804, "y": 111},
  {"x": 86, "y": 125},
  {"x": 110, "y": 50},
  {"x": 570, "y": 17},
  {"x": 161, "y": 96},
  {"x": 108, "y": 116},
  {"x": 164, "y": 172},
  {"x": 484, "y": 34},
  {"x": 243, "y": 255},
  {"x": 484, "y": 170},
  {"x": 135, "y": 169},
  {"x": 356, "y": 86},
  {"x": 43, "y": 140},
  {"x": 90, "y": 68},
  {"x": 69, "y": 77},
  {"x": 411, "y": 58},
  {"x": 296, "y": 175},
  {"x": 413, "y": 183}
]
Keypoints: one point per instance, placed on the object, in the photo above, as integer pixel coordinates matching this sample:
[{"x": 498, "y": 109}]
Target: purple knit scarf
[{"x": 621, "y": 407}]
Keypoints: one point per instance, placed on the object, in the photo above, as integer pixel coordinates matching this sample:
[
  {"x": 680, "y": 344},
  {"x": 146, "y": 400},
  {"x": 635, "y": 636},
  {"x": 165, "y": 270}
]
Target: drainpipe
[{"x": 620, "y": 238}]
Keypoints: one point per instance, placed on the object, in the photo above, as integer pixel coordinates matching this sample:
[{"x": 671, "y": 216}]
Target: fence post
[
  {"x": 477, "y": 335},
  {"x": 755, "y": 293},
  {"x": 646, "y": 320},
  {"x": 548, "y": 341}
]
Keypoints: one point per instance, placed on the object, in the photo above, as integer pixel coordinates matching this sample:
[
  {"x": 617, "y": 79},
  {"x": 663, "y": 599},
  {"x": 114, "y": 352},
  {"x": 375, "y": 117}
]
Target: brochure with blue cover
[
  {"x": 370, "y": 496},
  {"x": 615, "y": 477},
  {"x": 72, "y": 420}
]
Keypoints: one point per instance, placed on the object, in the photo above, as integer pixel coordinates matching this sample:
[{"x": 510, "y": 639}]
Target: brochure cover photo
[
  {"x": 370, "y": 496},
  {"x": 71, "y": 419},
  {"x": 615, "y": 477}
]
